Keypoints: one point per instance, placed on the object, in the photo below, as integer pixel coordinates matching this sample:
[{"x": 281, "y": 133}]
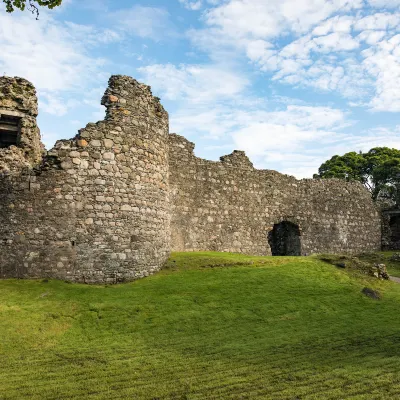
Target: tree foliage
[
  {"x": 31, "y": 5},
  {"x": 378, "y": 170}
]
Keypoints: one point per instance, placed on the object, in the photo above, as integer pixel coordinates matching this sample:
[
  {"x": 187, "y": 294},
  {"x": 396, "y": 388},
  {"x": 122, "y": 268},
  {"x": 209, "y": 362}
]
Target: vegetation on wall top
[{"x": 378, "y": 170}]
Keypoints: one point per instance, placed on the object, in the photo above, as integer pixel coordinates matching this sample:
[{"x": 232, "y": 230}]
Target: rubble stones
[
  {"x": 373, "y": 294},
  {"x": 379, "y": 271},
  {"x": 375, "y": 270},
  {"x": 395, "y": 257}
]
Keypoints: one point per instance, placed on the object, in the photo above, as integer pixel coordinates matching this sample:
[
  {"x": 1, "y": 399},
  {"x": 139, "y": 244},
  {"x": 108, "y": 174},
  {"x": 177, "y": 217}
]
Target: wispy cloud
[
  {"x": 192, "y": 4},
  {"x": 354, "y": 53},
  {"x": 194, "y": 83},
  {"x": 145, "y": 22}
]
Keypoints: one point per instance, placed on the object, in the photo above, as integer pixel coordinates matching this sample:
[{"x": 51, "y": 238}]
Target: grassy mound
[{"x": 210, "y": 326}]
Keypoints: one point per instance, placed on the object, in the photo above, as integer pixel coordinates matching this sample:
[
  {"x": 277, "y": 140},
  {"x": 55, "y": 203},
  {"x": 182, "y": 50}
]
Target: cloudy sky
[{"x": 291, "y": 82}]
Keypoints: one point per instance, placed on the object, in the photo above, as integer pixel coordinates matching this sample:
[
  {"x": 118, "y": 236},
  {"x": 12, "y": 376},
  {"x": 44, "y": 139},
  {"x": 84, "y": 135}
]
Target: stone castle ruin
[{"x": 110, "y": 204}]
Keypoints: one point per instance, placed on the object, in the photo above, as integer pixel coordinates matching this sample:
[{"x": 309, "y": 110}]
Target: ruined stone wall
[
  {"x": 230, "y": 206},
  {"x": 96, "y": 209},
  {"x": 109, "y": 204},
  {"x": 37, "y": 226}
]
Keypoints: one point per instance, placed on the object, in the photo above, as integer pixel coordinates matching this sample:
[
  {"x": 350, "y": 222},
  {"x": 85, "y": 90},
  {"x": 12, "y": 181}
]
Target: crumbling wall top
[
  {"x": 18, "y": 95},
  {"x": 238, "y": 158},
  {"x": 125, "y": 96},
  {"x": 20, "y": 145}
]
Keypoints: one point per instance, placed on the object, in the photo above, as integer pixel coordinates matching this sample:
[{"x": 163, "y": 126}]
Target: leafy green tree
[
  {"x": 378, "y": 170},
  {"x": 32, "y": 5}
]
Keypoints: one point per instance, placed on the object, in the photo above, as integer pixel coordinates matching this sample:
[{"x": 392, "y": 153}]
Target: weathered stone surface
[
  {"x": 98, "y": 207},
  {"x": 230, "y": 206},
  {"x": 373, "y": 294},
  {"x": 77, "y": 196},
  {"x": 81, "y": 142},
  {"x": 18, "y": 99}
]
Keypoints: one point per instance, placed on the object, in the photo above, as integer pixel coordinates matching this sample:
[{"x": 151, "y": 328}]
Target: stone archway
[{"x": 284, "y": 239}]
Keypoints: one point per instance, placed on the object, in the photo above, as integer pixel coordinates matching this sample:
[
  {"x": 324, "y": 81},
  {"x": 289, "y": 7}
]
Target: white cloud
[
  {"x": 383, "y": 63},
  {"x": 211, "y": 107},
  {"x": 377, "y": 21},
  {"x": 287, "y": 130},
  {"x": 371, "y": 37},
  {"x": 301, "y": 157},
  {"x": 198, "y": 84},
  {"x": 282, "y": 140},
  {"x": 262, "y": 19},
  {"x": 339, "y": 23},
  {"x": 305, "y": 45},
  {"x": 384, "y": 3},
  {"x": 55, "y": 105},
  {"x": 193, "y": 5},
  {"x": 45, "y": 52},
  {"x": 55, "y": 57},
  {"x": 329, "y": 45},
  {"x": 335, "y": 41},
  {"x": 294, "y": 139},
  {"x": 145, "y": 22},
  {"x": 258, "y": 138}
]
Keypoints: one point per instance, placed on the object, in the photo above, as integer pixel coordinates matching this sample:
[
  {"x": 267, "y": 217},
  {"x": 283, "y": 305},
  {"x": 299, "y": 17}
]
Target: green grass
[{"x": 210, "y": 326}]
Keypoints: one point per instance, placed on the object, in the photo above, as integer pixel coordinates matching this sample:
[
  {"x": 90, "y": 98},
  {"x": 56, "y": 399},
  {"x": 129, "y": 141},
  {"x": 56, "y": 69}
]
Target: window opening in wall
[
  {"x": 394, "y": 224},
  {"x": 9, "y": 130},
  {"x": 284, "y": 239}
]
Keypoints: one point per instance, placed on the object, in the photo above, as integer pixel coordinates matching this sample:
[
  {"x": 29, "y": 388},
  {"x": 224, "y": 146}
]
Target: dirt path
[{"x": 394, "y": 279}]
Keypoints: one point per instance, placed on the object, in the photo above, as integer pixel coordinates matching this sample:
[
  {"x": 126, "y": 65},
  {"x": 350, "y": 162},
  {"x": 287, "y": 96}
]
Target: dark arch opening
[
  {"x": 394, "y": 224},
  {"x": 284, "y": 239}
]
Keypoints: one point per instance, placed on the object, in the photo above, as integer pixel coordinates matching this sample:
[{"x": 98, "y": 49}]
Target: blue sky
[{"x": 291, "y": 82}]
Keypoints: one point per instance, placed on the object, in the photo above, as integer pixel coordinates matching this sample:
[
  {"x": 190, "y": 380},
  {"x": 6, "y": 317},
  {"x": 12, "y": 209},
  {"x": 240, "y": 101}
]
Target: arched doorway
[{"x": 284, "y": 239}]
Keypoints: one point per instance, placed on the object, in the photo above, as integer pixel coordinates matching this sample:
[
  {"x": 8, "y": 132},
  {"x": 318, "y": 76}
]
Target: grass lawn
[{"x": 209, "y": 326}]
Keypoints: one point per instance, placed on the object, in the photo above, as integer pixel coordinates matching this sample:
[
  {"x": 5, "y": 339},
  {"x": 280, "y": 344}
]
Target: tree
[
  {"x": 378, "y": 170},
  {"x": 32, "y": 5}
]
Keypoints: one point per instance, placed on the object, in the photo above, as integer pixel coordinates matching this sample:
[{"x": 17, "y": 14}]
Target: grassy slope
[{"x": 273, "y": 328}]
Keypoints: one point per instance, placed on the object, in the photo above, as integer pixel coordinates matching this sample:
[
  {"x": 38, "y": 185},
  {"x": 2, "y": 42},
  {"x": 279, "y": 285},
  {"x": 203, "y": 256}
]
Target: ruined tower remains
[
  {"x": 95, "y": 208},
  {"x": 111, "y": 203}
]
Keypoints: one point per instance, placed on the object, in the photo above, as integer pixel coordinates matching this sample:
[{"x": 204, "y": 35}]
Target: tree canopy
[
  {"x": 31, "y": 5},
  {"x": 378, "y": 170}
]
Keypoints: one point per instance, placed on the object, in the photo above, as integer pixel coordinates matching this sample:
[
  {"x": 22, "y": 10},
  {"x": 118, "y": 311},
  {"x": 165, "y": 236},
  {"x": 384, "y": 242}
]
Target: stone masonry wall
[
  {"x": 109, "y": 204},
  {"x": 96, "y": 209},
  {"x": 230, "y": 206}
]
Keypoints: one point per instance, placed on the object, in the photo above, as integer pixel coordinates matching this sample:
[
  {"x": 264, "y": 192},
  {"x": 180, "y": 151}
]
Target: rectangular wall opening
[
  {"x": 9, "y": 130},
  {"x": 394, "y": 224}
]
